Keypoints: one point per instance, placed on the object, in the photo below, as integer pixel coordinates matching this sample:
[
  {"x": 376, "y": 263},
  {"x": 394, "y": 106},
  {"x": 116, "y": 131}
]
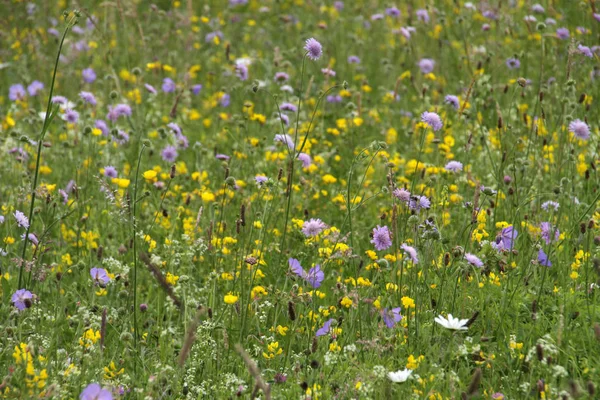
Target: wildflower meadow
[{"x": 300, "y": 199}]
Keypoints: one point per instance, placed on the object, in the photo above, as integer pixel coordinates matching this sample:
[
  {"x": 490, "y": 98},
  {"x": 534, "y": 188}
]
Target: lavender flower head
[
  {"x": 580, "y": 129},
  {"x": 402, "y": 194},
  {"x": 550, "y": 204},
  {"x": 71, "y": 116},
  {"x": 411, "y": 251},
  {"x": 168, "y": 85},
  {"x": 391, "y": 316},
  {"x": 22, "y": 220},
  {"x": 150, "y": 88},
  {"x": 353, "y": 60},
  {"x": 546, "y": 232},
  {"x": 562, "y": 33},
  {"x": 453, "y": 101},
  {"x": 118, "y": 111},
  {"x": 88, "y": 75},
  {"x": 16, "y": 92},
  {"x": 169, "y": 154},
  {"x": 418, "y": 202},
  {"x": 433, "y": 120},
  {"x": 382, "y": 239},
  {"x": 313, "y": 49},
  {"x": 422, "y": 15},
  {"x": 454, "y": 166},
  {"x": 473, "y": 260},
  {"x": 306, "y": 160},
  {"x": 88, "y": 97},
  {"x": 110, "y": 172},
  {"x": 586, "y": 51},
  {"x": 313, "y": 227},
  {"x": 513, "y": 63},
  {"x": 392, "y": 12},
  {"x": 94, "y": 391},
  {"x": 34, "y": 87},
  {"x": 22, "y": 299},
  {"x": 426, "y": 65}
]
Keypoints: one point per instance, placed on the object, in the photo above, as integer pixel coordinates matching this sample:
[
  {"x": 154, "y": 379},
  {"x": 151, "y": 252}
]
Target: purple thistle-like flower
[
  {"x": 411, "y": 251},
  {"x": 118, "y": 111},
  {"x": 546, "y": 232},
  {"x": 222, "y": 157},
  {"x": 64, "y": 196},
  {"x": 422, "y": 15},
  {"x": 353, "y": 60},
  {"x": 328, "y": 72},
  {"x": 71, "y": 116},
  {"x": 313, "y": 227},
  {"x": 543, "y": 259},
  {"x": 22, "y": 299},
  {"x": 513, "y": 63},
  {"x": 550, "y": 204},
  {"x": 288, "y": 107},
  {"x": 168, "y": 85},
  {"x": 538, "y": 8},
  {"x": 433, "y": 120},
  {"x": 169, "y": 154},
  {"x": 99, "y": 276},
  {"x": 100, "y": 124},
  {"x": 381, "y": 238},
  {"x": 402, "y": 195},
  {"x": 473, "y": 260},
  {"x": 453, "y": 101},
  {"x": 32, "y": 238},
  {"x": 313, "y": 49},
  {"x": 150, "y": 88},
  {"x": 281, "y": 77},
  {"x": 586, "y": 51},
  {"x": 88, "y": 97},
  {"x": 260, "y": 179},
  {"x": 418, "y": 202},
  {"x": 392, "y": 12},
  {"x": 562, "y": 33},
  {"x": 122, "y": 137},
  {"x": 34, "y": 87},
  {"x": 334, "y": 98},
  {"x": 376, "y": 17},
  {"x": 16, "y": 92},
  {"x": 241, "y": 71},
  {"x": 324, "y": 330},
  {"x": 426, "y": 65},
  {"x": 22, "y": 220},
  {"x": 225, "y": 100},
  {"x": 306, "y": 160},
  {"x": 580, "y": 129},
  {"x": 285, "y": 138},
  {"x": 454, "y": 166},
  {"x": 62, "y": 100},
  {"x": 391, "y": 317},
  {"x": 285, "y": 119},
  {"x": 94, "y": 391},
  {"x": 196, "y": 89},
  {"x": 597, "y": 16},
  {"x": 110, "y": 171},
  {"x": 88, "y": 75},
  {"x": 174, "y": 127}
]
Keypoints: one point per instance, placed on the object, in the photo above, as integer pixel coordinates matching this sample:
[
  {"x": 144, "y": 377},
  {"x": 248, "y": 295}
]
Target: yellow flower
[
  {"x": 407, "y": 302},
  {"x": 346, "y": 302},
  {"x": 230, "y": 298},
  {"x": 150, "y": 175}
]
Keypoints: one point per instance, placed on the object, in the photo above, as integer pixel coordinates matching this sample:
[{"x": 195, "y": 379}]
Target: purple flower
[
  {"x": 34, "y": 87},
  {"x": 32, "y": 238},
  {"x": 122, "y": 137},
  {"x": 260, "y": 179},
  {"x": 328, "y": 72},
  {"x": 71, "y": 116},
  {"x": 285, "y": 138},
  {"x": 64, "y": 196},
  {"x": 513, "y": 63},
  {"x": 22, "y": 220},
  {"x": 353, "y": 60},
  {"x": 538, "y": 8},
  {"x": 306, "y": 160},
  {"x": 288, "y": 107},
  {"x": 426, "y": 65},
  {"x": 562, "y": 33},
  {"x": 422, "y": 15},
  {"x": 196, "y": 89},
  {"x": 88, "y": 75},
  {"x": 376, "y": 17},
  {"x": 62, "y": 100},
  {"x": 313, "y": 49},
  {"x": 506, "y": 238},
  {"x": 543, "y": 259},
  {"x": 473, "y": 260},
  {"x": 334, "y": 98},
  {"x": 174, "y": 127},
  {"x": 418, "y": 202},
  {"x": 550, "y": 204},
  {"x": 402, "y": 195},
  {"x": 150, "y": 88},
  {"x": 324, "y": 330},
  {"x": 433, "y": 120},
  {"x": 225, "y": 100},
  {"x": 100, "y": 124},
  {"x": 285, "y": 119},
  {"x": 211, "y": 36},
  {"x": 22, "y": 299},
  {"x": 597, "y": 17},
  {"x": 313, "y": 227},
  {"x": 381, "y": 238},
  {"x": 391, "y": 317},
  {"x": 314, "y": 276},
  {"x": 392, "y": 12},
  {"x": 94, "y": 391},
  {"x": 411, "y": 251},
  {"x": 88, "y": 97},
  {"x": 169, "y": 154},
  {"x": 586, "y": 51},
  {"x": 580, "y": 129},
  {"x": 281, "y": 77},
  {"x": 453, "y": 101},
  {"x": 454, "y": 166},
  {"x": 118, "y": 111},
  {"x": 339, "y": 5},
  {"x": 99, "y": 276},
  {"x": 16, "y": 92},
  {"x": 222, "y": 157},
  {"x": 547, "y": 230},
  {"x": 241, "y": 71},
  {"x": 168, "y": 85}
]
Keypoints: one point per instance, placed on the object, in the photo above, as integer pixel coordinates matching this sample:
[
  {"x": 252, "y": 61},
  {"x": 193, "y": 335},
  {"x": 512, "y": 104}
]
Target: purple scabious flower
[
  {"x": 562, "y": 33},
  {"x": 338, "y": 5},
  {"x": 586, "y": 51},
  {"x": 110, "y": 171},
  {"x": 543, "y": 259},
  {"x": 530, "y": 18},
  {"x": 454, "y": 166},
  {"x": 94, "y": 391},
  {"x": 260, "y": 179},
  {"x": 550, "y": 21},
  {"x": 168, "y": 85},
  {"x": 402, "y": 194},
  {"x": 211, "y": 36},
  {"x": 422, "y": 15},
  {"x": 150, "y": 88},
  {"x": 453, "y": 101},
  {"x": 22, "y": 220},
  {"x": 597, "y": 16},
  {"x": 169, "y": 154},
  {"x": 376, "y": 17},
  {"x": 285, "y": 119},
  {"x": 100, "y": 124},
  {"x": 538, "y": 8},
  {"x": 16, "y": 92},
  {"x": 288, "y": 107},
  {"x": 225, "y": 100},
  {"x": 222, "y": 157},
  {"x": 22, "y": 299},
  {"x": 328, "y": 72},
  {"x": 88, "y": 75},
  {"x": 550, "y": 204},
  {"x": 473, "y": 260},
  {"x": 334, "y": 98},
  {"x": 34, "y": 87},
  {"x": 285, "y": 138},
  {"x": 196, "y": 89},
  {"x": 281, "y": 77},
  {"x": 418, "y": 202},
  {"x": 513, "y": 63},
  {"x": 411, "y": 251},
  {"x": 32, "y": 238},
  {"x": 71, "y": 116},
  {"x": 175, "y": 128},
  {"x": 381, "y": 238},
  {"x": 122, "y": 137},
  {"x": 313, "y": 227},
  {"x": 62, "y": 100},
  {"x": 580, "y": 129},
  {"x": 353, "y": 60},
  {"x": 118, "y": 111},
  {"x": 64, "y": 196},
  {"x": 306, "y": 160},
  {"x": 88, "y": 97},
  {"x": 324, "y": 330},
  {"x": 426, "y": 65},
  {"x": 313, "y": 49},
  {"x": 99, "y": 276},
  {"x": 53, "y": 32},
  {"x": 546, "y": 232},
  {"x": 392, "y": 12},
  {"x": 506, "y": 238},
  {"x": 241, "y": 71},
  {"x": 391, "y": 316},
  {"x": 433, "y": 120}
]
